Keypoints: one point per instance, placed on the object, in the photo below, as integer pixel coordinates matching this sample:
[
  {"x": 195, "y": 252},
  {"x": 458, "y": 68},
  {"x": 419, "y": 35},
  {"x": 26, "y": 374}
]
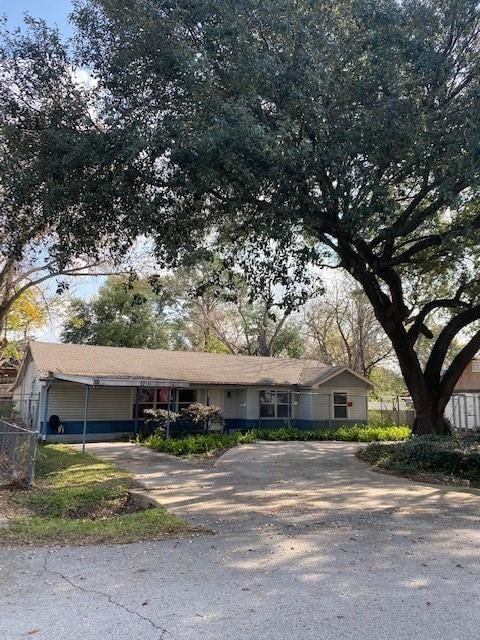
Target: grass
[
  {"x": 445, "y": 459},
  {"x": 79, "y": 499},
  {"x": 218, "y": 442}
]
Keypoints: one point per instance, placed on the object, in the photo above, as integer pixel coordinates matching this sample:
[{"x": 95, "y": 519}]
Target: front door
[{"x": 215, "y": 398}]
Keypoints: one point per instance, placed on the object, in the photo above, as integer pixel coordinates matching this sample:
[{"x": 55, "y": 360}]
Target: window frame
[
  {"x": 338, "y": 404},
  {"x": 276, "y": 404},
  {"x": 139, "y": 407}
]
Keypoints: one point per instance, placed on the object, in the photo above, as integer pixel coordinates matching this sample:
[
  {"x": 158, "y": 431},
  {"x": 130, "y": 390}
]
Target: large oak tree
[{"x": 350, "y": 124}]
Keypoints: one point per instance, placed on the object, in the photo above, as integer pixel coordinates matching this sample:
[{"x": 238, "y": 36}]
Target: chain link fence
[
  {"x": 391, "y": 410},
  {"x": 18, "y": 448}
]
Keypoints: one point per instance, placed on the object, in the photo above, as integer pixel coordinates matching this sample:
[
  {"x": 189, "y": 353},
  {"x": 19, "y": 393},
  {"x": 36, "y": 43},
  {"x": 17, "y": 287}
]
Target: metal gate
[{"x": 463, "y": 411}]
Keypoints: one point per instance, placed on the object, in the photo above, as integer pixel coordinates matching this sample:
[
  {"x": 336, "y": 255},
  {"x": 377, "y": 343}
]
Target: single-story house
[{"x": 105, "y": 390}]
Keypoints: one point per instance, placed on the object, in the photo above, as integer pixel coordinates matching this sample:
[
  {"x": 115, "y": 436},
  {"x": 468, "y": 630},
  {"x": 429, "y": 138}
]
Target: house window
[
  {"x": 186, "y": 397},
  {"x": 340, "y": 405},
  {"x": 145, "y": 400},
  {"x": 275, "y": 404},
  {"x": 165, "y": 398},
  {"x": 148, "y": 398}
]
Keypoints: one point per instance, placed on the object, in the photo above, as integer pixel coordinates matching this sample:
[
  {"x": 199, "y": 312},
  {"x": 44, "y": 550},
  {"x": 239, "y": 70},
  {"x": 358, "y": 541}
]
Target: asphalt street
[{"x": 308, "y": 544}]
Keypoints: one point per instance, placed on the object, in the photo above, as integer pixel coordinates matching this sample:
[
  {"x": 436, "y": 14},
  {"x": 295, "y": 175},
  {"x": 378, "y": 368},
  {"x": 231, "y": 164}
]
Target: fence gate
[{"x": 463, "y": 411}]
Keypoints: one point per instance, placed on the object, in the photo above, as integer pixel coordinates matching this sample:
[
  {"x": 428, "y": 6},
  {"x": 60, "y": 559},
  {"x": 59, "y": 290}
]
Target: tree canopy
[
  {"x": 343, "y": 132},
  {"x": 125, "y": 313},
  {"x": 63, "y": 198}
]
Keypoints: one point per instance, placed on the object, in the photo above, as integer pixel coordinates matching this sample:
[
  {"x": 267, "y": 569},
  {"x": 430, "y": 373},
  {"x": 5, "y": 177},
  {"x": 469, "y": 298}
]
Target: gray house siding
[{"x": 110, "y": 409}]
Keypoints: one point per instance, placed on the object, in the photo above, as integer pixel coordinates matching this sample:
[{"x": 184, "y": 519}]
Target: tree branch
[{"x": 439, "y": 351}]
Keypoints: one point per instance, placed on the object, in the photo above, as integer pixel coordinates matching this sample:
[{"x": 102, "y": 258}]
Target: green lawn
[
  {"x": 445, "y": 459},
  {"x": 79, "y": 499}
]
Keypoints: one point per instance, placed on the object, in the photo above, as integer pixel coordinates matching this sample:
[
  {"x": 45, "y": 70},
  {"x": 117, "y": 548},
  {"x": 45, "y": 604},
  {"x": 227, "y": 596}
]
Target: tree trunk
[{"x": 429, "y": 415}]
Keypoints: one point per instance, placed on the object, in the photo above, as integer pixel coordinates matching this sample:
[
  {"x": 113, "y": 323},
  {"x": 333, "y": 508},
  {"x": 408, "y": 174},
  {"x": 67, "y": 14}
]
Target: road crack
[{"x": 111, "y": 599}]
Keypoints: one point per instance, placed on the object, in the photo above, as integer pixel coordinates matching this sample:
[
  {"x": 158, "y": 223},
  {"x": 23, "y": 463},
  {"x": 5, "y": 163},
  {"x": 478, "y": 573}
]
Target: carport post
[
  {"x": 167, "y": 431},
  {"x": 135, "y": 424},
  {"x": 45, "y": 408},
  {"x": 85, "y": 416}
]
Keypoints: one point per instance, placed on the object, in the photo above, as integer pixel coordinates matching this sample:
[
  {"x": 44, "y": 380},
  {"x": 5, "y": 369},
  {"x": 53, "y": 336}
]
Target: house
[{"x": 105, "y": 390}]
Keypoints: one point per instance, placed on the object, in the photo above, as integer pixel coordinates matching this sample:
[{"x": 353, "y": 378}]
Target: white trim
[
  {"x": 333, "y": 374},
  {"x": 346, "y": 393},
  {"x": 118, "y": 382},
  {"x": 275, "y": 404}
]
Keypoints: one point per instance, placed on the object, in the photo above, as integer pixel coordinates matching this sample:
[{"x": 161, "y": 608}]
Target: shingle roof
[{"x": 188, "y": 366}]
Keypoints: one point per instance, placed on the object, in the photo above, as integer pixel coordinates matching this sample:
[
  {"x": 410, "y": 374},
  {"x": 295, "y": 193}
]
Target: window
[
  {"x": 163, "y": 396},
  {"x": 186, "y": 397},
  {"x": 275, "y": 404},
  {"x": 340, "y": 405},
  {"x": 148, "y": 398},
  {"x": 145, "y": 400}
]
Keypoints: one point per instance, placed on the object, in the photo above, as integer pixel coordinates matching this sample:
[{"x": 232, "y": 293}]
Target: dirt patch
[{"x": 9, "y": 508}]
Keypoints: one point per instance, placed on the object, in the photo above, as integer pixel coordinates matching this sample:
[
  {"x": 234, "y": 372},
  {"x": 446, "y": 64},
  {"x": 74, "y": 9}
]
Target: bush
[
  {"x": 156, "y": 421},
  {"x": 201, "y": 414},
  {"x": 352, "y": 433},
  {"x": 200, "y": 443},
  {"x": 203, "y": 443},
  {"x": 448, "y": 458}
]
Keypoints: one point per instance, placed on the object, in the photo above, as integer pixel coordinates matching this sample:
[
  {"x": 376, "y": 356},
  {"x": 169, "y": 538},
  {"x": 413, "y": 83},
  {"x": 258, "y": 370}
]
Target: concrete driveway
[
  {"x": 286, "y": 485},
  {"x": 310, "y": 545}
]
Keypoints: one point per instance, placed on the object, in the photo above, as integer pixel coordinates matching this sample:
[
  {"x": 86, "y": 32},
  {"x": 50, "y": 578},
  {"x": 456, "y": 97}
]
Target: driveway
[
  {"x": 310, "y": 544},
  {"x": 285, "y": 485}
]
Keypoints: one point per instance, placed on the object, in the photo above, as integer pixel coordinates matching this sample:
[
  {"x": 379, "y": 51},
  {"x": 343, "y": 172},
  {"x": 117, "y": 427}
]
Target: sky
[{"x": 54, "y": 12}]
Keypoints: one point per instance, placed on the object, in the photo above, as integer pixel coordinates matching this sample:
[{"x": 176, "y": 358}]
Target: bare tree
[{"x": 342, "y": 329}]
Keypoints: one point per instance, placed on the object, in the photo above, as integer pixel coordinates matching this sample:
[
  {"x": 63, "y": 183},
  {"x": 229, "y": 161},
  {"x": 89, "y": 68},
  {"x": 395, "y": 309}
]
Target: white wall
[
  {"x": 27, "y": 396},
  {"x": 235, "y": 403},
  {"x": 66, "y": 399}
]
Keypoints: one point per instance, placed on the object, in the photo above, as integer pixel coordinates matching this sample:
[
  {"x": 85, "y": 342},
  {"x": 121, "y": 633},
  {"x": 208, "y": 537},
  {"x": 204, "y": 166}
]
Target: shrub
[
  {"x": 199, "y": 443},
  {"x": 156, "y": 421},
  {"x": 201, "y": 414},
  {"x": 351, "y": 433},
  {"x": 446, "y": 457}
]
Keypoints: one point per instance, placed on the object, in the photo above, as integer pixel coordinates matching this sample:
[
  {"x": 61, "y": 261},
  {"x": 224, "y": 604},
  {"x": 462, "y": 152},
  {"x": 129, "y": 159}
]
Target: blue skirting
[
  {"x": 236, "y": 424},
  {"x": 117, "y": 428},
  {"x": 94, "y": 427}
]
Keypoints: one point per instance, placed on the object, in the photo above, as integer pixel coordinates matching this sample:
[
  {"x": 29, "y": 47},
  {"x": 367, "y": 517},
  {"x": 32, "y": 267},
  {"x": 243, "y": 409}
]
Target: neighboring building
[
  {"x": 469, "y": 381},
  {"x": 107, "y": 389},
  {"x": 463, "y": 409}
]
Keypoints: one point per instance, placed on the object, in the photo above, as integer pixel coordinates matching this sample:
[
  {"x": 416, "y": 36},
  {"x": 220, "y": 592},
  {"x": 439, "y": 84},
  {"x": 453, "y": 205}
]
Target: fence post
[{"x": 33, "y": 460}]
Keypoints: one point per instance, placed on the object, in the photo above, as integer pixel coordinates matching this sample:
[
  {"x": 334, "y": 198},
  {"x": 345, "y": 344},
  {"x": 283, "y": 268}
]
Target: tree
[
  {"x": 29, "y": 312},
  {"x": 351, "y": 125},
  {"x": 343, "y": 330},
  {"x": 125, "y": 313},
  {"x": 61, "y": 208},
  {"x": 215, "y": 310}
]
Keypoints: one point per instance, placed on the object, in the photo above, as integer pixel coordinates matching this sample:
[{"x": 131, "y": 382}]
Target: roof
[{"x": 192, "y": 367}]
